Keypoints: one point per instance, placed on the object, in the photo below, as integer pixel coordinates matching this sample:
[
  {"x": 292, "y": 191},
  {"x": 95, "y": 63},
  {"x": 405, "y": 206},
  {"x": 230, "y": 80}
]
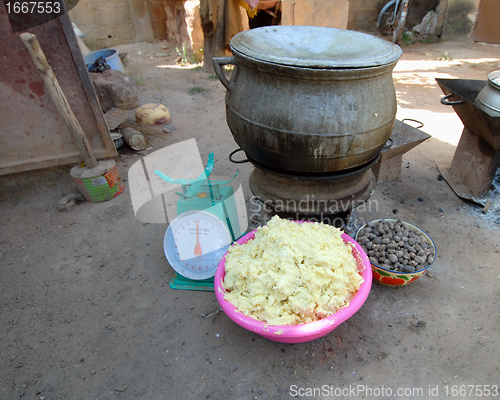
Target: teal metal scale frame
[{"x": 215, "y": 197}]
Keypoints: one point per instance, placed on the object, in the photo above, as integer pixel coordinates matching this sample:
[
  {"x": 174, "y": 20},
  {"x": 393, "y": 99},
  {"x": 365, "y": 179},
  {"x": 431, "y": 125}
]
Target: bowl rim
[
  {"x": 307, "y": 331},
  {"x": 413, "y": 226}
]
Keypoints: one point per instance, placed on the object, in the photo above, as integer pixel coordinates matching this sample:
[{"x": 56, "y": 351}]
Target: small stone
[
  {"x": 168, "y": 128},
  {"x": 419, "y": 260},
  {"x": 115, "y": 89},
  {"x": 408, "y": 268},
  {"x": 121, "y": 389},
  {"x": 70, "y": 201},
  {"x": 233, "y": 368}
]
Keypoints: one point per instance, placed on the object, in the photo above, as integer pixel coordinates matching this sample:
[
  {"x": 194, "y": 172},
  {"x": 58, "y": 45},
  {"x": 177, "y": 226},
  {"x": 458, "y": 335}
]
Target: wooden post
[
  {"x": 212, "y": 15},
  {"x": 62, "y": 105},
  {"x": 142, "y": 21}
]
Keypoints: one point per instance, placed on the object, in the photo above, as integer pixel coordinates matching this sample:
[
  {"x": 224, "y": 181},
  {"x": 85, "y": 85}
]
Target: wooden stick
[{"x": 62, "y": 105}]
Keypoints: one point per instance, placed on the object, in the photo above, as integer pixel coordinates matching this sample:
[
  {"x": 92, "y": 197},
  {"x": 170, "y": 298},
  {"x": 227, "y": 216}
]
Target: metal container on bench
[{"x": 488, "y": 99}]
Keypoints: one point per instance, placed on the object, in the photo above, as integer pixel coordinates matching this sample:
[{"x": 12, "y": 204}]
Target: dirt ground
[{"x": 86, "y": 311}]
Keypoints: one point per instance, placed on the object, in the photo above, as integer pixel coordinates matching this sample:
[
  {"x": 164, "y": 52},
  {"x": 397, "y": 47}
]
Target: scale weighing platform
[{"x": 206, "y": 225}]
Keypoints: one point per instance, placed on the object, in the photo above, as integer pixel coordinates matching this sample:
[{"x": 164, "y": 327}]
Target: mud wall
[
  {"x": 330, "y": 13},
  {"x": 460, "y": 19},
  {"x": 183, "y": 23},
  {"x": 111, "y": 22},
  {"x": 363, "y": 14},
  {"x": 455, "y": 20},
  {"x": 104, "y": 23}
]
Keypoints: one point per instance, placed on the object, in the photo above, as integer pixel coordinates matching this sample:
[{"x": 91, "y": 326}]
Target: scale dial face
[{"x": 195, "y": 242}]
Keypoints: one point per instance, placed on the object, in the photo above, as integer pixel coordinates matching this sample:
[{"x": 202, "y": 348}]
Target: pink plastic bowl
[{"x": 303, "y": 332}]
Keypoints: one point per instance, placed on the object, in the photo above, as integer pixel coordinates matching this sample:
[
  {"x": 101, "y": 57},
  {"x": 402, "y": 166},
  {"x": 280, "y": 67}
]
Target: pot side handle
[
  {"x": 446, "y": 102},
  {"x": 218, "y": 62}
]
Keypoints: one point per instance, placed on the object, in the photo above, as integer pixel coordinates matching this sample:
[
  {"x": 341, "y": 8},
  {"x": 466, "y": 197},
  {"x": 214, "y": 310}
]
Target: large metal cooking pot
[
  {"x": 488, "y": 99},
  {"x": 310, "y": 100}
]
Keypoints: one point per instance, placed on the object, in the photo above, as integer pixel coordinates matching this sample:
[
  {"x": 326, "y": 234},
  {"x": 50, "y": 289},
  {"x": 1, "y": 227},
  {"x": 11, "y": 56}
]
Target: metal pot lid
[
  {"x": 315, "y": 47},
  {"x": 494, "y": 79}
]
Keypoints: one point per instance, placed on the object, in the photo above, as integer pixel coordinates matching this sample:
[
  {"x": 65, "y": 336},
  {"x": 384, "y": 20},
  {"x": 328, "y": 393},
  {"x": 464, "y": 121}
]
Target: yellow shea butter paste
[{"x": 291, "y": 273}]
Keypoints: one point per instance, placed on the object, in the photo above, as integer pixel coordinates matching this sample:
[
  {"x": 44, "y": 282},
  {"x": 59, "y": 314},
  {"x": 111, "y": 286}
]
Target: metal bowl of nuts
[{"x": 399, "y": 252}]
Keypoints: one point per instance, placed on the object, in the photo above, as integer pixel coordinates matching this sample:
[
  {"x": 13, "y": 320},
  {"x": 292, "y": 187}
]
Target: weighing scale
[{"x": 205, "y": 226}]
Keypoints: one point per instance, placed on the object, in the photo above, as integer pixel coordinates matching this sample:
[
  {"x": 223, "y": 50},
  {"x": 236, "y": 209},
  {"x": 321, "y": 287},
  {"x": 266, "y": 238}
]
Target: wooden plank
[
  {"x": 59, "y": 98},
  {"x": 32, "y": 133},
  {"x": 88, "y": 87}
]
